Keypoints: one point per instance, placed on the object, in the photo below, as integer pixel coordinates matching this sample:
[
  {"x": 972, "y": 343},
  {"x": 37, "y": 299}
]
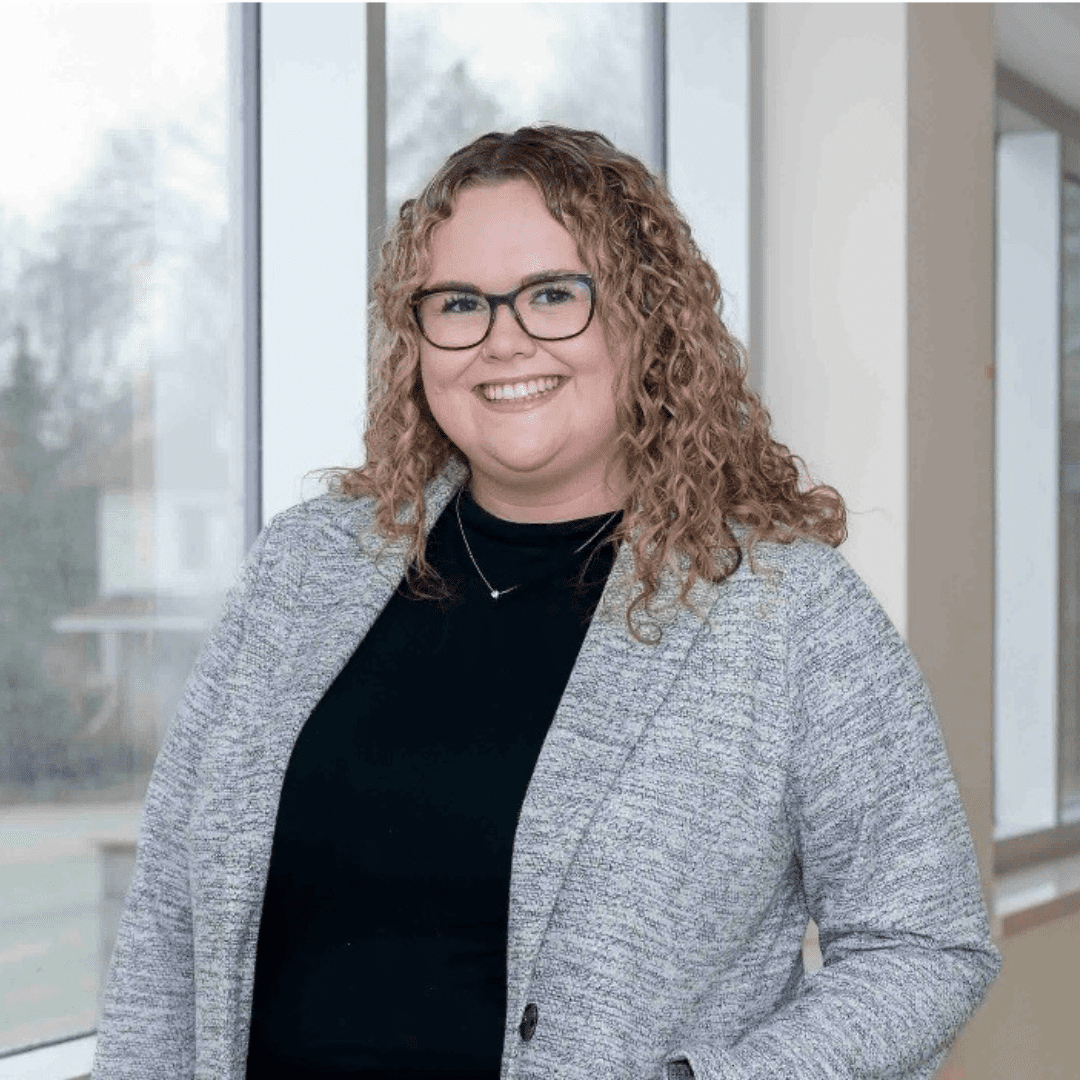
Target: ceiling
[{"x": 1041, "y": 42}]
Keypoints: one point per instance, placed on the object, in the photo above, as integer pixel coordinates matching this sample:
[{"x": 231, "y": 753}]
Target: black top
[{"x": 382, "y": 946}]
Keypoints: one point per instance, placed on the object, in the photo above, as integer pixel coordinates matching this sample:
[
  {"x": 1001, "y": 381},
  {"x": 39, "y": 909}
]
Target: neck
[{"x": 600, "y": 498}]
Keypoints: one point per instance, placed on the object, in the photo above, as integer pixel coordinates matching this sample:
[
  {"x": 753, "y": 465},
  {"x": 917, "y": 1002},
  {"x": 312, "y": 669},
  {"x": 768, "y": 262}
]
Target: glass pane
[
  {"x": 1027, "y": 508},
  {"x": 455, "y": 71},
  {"x": 120, "y": 457},
  {"x": 1070, "y": 489}
]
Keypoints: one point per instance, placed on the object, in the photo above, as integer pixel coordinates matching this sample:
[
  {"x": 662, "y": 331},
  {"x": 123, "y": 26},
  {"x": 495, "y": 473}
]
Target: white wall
[
  {"x": 314, "y": 244},
  {"x": 708, "y": 116},
  {"x": 833, "y": 312}
]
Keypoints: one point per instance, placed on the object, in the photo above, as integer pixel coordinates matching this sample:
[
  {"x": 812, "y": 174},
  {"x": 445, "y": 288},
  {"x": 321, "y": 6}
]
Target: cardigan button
[{"x": 528, "y": 1021}]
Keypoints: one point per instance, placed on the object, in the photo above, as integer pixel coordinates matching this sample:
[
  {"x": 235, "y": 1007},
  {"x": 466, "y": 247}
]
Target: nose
[{"x": 507, "y": 339}]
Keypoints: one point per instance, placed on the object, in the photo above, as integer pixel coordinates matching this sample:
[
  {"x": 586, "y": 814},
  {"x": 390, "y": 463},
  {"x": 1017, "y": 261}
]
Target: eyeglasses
[{"x": 554, "y": 309}]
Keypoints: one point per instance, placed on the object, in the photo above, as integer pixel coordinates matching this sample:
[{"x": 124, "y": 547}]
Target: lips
[{"x": 521, "y": 389}]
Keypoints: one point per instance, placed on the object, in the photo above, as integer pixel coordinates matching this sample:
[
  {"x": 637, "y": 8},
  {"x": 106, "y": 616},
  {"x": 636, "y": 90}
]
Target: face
[{"x": 544, "y": 456}]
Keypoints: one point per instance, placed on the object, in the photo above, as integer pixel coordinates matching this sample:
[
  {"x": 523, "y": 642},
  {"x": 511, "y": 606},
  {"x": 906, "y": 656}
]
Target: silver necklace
[{"x": 496, "y": 593}]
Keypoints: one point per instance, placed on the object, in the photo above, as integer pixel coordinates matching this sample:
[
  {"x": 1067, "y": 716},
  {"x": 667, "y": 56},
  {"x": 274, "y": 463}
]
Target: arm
[
  {"x": 148, "y": 1020},
  {"x": 888, "y": 867}
]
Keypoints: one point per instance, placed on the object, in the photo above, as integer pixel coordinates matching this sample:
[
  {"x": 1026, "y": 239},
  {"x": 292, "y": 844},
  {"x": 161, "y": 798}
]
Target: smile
[{"x": 524, "y": 390}]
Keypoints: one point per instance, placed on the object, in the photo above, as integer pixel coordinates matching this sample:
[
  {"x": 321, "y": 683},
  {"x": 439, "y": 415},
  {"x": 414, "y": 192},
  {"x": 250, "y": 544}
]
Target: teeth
[{"x": 532, "y": 388}]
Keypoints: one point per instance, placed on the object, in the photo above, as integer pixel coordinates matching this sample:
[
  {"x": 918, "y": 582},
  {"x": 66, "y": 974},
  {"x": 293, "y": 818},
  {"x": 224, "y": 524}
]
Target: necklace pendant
[{"x": 494, "y": 594}]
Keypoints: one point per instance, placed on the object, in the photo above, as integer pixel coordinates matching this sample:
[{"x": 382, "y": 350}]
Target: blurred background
[{"x": 191, "y": 203}]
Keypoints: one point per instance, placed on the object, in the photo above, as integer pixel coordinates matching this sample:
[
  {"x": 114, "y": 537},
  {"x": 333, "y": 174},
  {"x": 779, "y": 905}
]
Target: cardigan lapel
[
  {"x": 616, "y": 686},
  {"x": 344, "y": 589},
  {"x": 344, "y": 592}
]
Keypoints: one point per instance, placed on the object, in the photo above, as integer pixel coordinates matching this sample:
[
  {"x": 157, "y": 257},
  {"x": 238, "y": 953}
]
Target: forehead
[{"x": 498, "y": 234}]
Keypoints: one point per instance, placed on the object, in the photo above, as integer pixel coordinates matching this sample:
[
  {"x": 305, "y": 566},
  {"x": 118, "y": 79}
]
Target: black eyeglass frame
[{"x": 493, "y": 303}]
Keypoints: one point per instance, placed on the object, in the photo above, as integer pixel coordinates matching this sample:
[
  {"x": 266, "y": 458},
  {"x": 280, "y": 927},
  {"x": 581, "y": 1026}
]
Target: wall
[
  {"x": 950, "y": 261},
  {"x": 707, "y": 117},
  {"x": 1026, "y": 1029},
  {"x": 313, "y": 242},
  {"x": 873, "y": 321},
  {"x": 830, "y": 335}
]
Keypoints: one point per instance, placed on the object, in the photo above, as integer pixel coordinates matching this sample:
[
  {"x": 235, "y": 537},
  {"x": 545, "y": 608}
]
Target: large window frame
[
  {"x": 1061, "y": 841},
  {"x": 293, "y": 53},
  {"x": 70, "y": 1055},
  {"x": 301, "y": 433}
]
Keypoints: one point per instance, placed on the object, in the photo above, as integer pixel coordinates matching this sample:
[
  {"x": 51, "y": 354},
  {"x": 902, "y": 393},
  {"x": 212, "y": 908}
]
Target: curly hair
[{"x": 694, "y": 438}]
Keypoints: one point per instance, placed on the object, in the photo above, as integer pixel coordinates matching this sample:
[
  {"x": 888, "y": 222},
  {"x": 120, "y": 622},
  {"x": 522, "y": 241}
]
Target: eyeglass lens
[{"x": 548, "y": 310}]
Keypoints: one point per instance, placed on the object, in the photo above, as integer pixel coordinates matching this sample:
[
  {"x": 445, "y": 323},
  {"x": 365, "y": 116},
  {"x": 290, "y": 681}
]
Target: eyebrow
[{"x": 530, "y": 279}]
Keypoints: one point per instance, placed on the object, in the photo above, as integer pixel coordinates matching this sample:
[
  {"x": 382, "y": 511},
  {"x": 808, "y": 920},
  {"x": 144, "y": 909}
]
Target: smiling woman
[
  {"x": 537, "y": 454},
  {"x": 651, "y": 414},
  {"x": 529, "y": 749}
]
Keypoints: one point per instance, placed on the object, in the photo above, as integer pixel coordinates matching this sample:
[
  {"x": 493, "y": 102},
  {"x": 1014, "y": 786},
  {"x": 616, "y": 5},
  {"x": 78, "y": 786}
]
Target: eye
[
  {"x": 551, "y": 293},
  {"x": 458, "y": 303}
]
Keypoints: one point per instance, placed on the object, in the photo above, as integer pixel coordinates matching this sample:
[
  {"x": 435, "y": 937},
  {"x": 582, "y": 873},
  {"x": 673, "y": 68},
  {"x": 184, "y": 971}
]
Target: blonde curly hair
[{"x": 694, "y": 438}]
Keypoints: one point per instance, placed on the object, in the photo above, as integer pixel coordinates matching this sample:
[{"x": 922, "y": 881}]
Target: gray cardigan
[{"x": 694, "y": 801}]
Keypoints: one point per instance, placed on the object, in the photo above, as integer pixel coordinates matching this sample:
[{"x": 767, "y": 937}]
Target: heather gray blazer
[{"x": 693, "y": 803}]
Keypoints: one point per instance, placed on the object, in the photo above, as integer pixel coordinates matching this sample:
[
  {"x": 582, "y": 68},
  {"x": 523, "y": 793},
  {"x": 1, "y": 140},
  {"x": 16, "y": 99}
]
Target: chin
[
  {"x": 525, "y": 470},
  {"x": 520, "y": 459}
]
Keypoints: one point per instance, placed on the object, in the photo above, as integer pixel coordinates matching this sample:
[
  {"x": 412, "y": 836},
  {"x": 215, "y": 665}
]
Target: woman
[{"x": 534, "y": 745}]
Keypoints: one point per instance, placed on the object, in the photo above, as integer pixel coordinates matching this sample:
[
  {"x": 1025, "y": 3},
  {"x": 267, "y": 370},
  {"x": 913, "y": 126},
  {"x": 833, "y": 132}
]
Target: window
[
  {"x": 1037, "y": 631},
  {"x": 455, "y": 71},
  {"x": 121, "y": 455},
  {"x": 1070, "y": 485},
  {"x": 161, "y": 415}
]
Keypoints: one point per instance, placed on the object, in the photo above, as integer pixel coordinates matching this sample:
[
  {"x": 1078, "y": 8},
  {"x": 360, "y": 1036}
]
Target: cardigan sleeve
[
  {"x": 887, "y": 863},
  {"x": 147, "y": 1026}
]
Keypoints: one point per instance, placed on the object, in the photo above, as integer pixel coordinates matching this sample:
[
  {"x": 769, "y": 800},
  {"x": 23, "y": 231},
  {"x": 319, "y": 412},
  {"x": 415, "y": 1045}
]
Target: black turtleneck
[{"x": 382, "y": 946}]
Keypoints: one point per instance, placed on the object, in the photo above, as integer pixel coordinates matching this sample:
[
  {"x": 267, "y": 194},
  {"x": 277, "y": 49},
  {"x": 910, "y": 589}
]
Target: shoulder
[
  {"x": 802, "y": 569},
  {"x": 326, "y": 524},
  {"x": 818, "y": 590},
  {"x": 332, "y": 542},
  {"x": 838, "y": 634},
  {"x": 326, "y": 533},
  {"x": 340, "y": 525},
  {"x": 325, "y": 518}
]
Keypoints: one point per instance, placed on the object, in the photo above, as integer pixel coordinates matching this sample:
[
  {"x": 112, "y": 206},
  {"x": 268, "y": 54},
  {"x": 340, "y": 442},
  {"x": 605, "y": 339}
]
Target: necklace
[{"x": 496, "y": 593}]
